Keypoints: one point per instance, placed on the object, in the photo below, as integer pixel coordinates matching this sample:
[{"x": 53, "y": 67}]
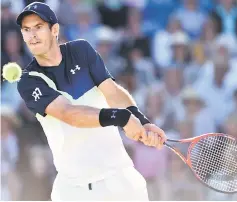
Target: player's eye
[
  {"x": 38, "y": 26},
  {"x": 26, "y": 29}
]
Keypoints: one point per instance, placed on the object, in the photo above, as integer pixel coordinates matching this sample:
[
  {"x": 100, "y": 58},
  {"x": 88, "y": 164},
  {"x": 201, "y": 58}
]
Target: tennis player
[{"x": 80, "y": 108}]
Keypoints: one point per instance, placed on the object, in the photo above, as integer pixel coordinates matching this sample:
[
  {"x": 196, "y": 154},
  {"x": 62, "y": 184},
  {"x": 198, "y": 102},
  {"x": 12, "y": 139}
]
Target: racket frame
[{"x": 187, "y": 160}]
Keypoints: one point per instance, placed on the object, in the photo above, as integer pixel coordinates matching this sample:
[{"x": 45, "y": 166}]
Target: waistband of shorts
[{"x": 85, "y": 182}]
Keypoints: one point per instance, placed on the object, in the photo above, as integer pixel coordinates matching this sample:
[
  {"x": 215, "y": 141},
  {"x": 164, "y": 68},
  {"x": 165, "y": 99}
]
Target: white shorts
[{"x": 127, "y": 184}]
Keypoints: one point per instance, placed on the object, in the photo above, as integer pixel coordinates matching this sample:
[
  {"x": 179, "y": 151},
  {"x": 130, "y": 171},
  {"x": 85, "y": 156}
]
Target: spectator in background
[
  {"x": 180, "y": 50},
  {"x": 13, "y": 51},
  {"x": 38, "y": 181},
  {"x": 105, "y": 45},
  {"x": 67, "y": 12},
  {"x": 225, "y": 16},
  {"x": 156, "y": 14},
  {"x": 196, "y": 111},
  {"x": 10, "y": 184},
  {"x": 235, "y": 101},
  {"x": 198, "y": 63},
  {"x": 113, "y": 13},
  {"x": 31, "y": 133},
  {"x": 216, "y": 86},
  {"x": 230, "y": 126},
  {"x": 84, "y": 26},
  {"x": 161, "y": 47},
  {"x": 156, "y": 107},
  {"x": 173, "y": 80},
  {"x": 143, "y": 66},
  {"x": 191, "y": 18},
  {"x": 208, "y": 36},
  {"x": 7, "y": 21},
  {"x": 228, "y": 41},
  {"x": 133, "y": 36},
  {"x": 233, "y": 105},
  {"x": 185, "y": 128},
  {"x": 15, "y": 7},
  {"x": 18, "y": 6}
]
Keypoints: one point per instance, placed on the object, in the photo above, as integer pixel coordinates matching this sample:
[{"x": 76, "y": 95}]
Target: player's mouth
[{"x": 35, "y": 43}]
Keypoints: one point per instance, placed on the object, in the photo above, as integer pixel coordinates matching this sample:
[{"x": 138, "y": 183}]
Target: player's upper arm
[
  {"x": 58, "y": 108},
  {"x": 109, "y": 88},
  {"x": 36, "y": 93}
]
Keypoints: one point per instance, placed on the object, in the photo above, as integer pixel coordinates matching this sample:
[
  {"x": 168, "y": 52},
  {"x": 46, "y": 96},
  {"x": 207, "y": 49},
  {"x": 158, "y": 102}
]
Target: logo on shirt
[
  {"x": 36, "y": 94},
  {"x": 73, "y": 71},
  {"x": 113, "y": 115}
]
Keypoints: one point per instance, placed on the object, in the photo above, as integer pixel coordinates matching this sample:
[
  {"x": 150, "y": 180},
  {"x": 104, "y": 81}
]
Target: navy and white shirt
[
  {"x": 80, "y": 70},
  {"x": 81, "y": 154}
]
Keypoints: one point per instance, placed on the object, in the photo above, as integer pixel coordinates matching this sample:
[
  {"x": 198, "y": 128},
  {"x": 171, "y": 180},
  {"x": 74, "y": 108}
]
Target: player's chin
[{"x": 36, "y": 51}]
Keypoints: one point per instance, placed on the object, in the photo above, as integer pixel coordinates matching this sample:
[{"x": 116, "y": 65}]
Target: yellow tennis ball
[{"x": 12, "y": 72}]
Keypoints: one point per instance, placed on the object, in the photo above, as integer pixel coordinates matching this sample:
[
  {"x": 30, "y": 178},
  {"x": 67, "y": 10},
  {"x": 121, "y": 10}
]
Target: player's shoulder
[
  {"x": 79, "y": 50},
  {"x": 78, "y": 43}
]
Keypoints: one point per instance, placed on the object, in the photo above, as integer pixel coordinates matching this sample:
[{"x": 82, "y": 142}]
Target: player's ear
[{"x": 55, "y": 30}]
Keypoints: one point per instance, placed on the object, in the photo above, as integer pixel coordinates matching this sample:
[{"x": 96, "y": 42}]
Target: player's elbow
[
  {"x": 62, "y": 109},
  {"x": 75, "y": 115}
]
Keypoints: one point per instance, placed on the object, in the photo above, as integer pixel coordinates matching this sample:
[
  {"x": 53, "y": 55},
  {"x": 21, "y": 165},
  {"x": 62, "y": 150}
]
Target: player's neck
[{"x": 51, "y": 58}]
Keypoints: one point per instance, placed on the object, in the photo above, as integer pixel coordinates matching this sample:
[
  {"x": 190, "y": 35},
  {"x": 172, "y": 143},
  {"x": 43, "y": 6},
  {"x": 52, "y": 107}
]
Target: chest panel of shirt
[{"x": 75, "y": 80}]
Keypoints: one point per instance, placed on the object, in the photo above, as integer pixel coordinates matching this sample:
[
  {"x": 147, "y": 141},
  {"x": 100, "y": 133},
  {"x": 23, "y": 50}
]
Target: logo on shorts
[
  {"x": 36, "y": 94},
  {"x": 77, "y": 68}
]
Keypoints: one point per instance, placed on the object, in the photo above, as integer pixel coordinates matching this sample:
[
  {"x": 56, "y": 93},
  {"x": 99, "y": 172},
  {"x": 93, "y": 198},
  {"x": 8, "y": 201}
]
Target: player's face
[{"x": 37, "y": 34}]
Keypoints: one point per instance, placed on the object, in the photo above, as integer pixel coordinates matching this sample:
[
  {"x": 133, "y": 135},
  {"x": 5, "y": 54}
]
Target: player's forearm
[
  {"x": 85, "y": 116},
  {"x": 120, "y": 98},
  {"x": 81, "y": 116},
  {"x": 90, "y": 117}
]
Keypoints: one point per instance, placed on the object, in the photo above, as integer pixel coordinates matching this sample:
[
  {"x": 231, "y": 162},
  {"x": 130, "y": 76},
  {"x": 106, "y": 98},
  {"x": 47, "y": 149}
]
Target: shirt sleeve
[
  {"x": 36, "y": 93},
  {"x": 98, "y": 70}
]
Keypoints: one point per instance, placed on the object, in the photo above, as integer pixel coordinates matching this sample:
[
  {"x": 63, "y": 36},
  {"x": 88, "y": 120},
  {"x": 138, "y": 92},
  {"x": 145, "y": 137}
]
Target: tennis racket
[{"x": 212, "y": 158}]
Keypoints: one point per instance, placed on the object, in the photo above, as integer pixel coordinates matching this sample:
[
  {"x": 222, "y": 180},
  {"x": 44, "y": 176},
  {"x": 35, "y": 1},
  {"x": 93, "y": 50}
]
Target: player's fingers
[
  {"x": 150, "y": 141},
  {"x": 143, "y": 135},
  {"x": 159, "y": 132},
  {"x": 136, "y": 136},
  {"x": 160, "y": 142},
  {"x": 156, "y": 141},
  {"x": 163, "y": 137},
  {"x": 153, "y": 139}
]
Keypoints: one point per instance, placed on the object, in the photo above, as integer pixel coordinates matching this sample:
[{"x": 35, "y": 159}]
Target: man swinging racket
[{"x": 80, "y": 106}]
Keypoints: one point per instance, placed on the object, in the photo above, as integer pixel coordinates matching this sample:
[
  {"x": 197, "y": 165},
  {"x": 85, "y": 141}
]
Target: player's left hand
[{"x": 156, "y": 136}]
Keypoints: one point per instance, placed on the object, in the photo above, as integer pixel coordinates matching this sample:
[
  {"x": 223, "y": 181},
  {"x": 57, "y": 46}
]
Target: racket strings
[{"x": 214, "y": 160}]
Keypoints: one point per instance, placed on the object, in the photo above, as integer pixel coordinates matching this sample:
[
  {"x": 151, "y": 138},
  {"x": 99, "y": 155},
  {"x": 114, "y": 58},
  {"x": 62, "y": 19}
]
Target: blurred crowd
[{"x": 178, "y": 59}]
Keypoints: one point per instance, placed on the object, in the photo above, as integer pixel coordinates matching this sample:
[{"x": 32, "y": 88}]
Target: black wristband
[
  {"x": 114, "y": 117},
  {"x": 135, "y": 111}
]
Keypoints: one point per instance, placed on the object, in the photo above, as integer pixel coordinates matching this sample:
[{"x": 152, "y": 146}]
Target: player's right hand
[{"x": 134, "y": 129}]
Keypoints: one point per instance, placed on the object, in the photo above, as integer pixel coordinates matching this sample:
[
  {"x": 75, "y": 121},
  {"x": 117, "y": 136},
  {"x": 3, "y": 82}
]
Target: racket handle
[{"x": 172, "y": 140}]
